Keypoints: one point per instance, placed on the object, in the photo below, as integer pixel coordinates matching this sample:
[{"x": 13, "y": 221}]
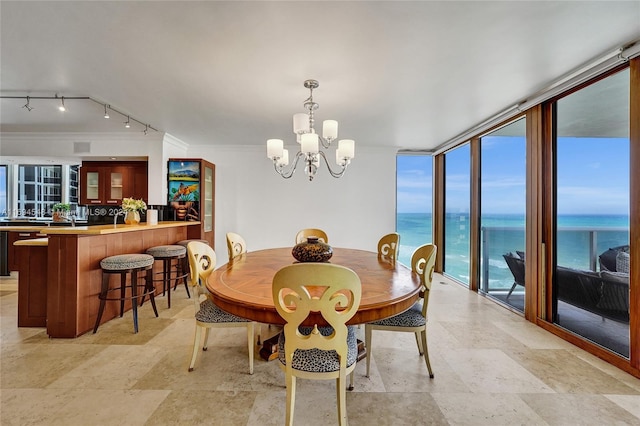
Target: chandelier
[{"x": 309, "y": 142}]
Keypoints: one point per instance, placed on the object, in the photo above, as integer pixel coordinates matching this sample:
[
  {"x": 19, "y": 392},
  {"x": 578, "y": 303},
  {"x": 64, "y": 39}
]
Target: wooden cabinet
[
  {"x": 107, "y": 183},
  {"x": 12, "y": 252},
  {"x": 191, "y": 185}
]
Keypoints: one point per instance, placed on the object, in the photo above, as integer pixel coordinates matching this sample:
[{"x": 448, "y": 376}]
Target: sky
[{"x": 593, "y": 177}]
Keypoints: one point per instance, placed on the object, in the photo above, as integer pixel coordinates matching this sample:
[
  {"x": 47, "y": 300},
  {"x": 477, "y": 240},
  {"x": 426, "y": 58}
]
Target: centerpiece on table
[
  {"x": 312, "y": 250},
  {"x": 132, "y": 208}
]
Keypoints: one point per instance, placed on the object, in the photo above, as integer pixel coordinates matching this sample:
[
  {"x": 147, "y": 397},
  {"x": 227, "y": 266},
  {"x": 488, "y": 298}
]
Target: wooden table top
[{"x": 243, "y": 286}]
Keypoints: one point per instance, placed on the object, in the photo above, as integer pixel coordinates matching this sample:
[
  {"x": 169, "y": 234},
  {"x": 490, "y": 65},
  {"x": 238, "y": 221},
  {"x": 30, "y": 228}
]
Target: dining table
[{"x": 243, "y": 285}]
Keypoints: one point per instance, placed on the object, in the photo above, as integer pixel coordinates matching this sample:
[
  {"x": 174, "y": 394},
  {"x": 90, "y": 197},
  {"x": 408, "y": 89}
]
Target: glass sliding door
[
  {"x": 502, "y": 213},
  {"x": 414, "y": 203},
  {"x": 591, "y": 275},
  {"x": 457, "y": 201}
]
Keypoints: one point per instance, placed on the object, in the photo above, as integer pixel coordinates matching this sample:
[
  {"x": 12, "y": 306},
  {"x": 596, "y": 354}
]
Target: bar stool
[
  {"x": 124, "y": 264},
  {"x": 167, "y": 254}
]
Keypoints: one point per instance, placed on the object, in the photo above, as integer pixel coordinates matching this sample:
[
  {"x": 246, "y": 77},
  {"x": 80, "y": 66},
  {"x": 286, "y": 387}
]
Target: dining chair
[
  {"x": 235, "y": 245},
  {"x": 320, "y": 352},
  {"x": 202, "y": 261},
  {"x": 413, "y": 320},
  {"x": 389, "y": 246},
  {"x": 302, "y": 235}
]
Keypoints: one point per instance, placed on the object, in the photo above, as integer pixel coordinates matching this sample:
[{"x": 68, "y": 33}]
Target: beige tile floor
[{"x": 491, "y": 368}]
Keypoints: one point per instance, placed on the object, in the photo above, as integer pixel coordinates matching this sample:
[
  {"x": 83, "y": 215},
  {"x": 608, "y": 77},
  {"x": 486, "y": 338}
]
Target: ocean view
[{"x": 505, "y": 233}]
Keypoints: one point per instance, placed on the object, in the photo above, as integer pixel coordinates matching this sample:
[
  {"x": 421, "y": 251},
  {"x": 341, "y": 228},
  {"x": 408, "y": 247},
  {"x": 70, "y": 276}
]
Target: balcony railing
[{"x": 577, "y": 247}]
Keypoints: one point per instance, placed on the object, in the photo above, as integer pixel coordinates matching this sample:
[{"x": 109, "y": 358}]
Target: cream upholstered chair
[
  {"x": 389, "y": 246},
  {"x": 302, "y": 235},
  {"x": 235, "y": 245},
  {"x": 202, "y": 261},
  {"x": 317, "y": 352},
  {"x": 414, "y": 319}
]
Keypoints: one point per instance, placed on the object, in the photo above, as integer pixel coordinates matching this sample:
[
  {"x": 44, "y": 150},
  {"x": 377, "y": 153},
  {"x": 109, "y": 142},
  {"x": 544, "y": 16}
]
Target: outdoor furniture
[
  {"x": 516, "y": 266},
  {"x": 602, "y": 293}
]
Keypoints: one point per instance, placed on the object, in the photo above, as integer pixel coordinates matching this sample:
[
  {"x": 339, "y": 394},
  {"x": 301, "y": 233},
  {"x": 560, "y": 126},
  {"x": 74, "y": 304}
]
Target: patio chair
[{"x": 516, "y": 266}]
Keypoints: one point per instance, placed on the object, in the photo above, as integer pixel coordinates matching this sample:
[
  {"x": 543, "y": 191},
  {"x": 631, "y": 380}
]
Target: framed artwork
[
  {"x": 184, "y": 190},
  {"x": 188, "y": 171},
  {"x": 184, "y": 181}
]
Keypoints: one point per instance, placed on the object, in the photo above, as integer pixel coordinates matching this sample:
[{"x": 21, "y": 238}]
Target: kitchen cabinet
[
  {"x": 107, "y": 183},
  {"x": 12, "y": 253}
]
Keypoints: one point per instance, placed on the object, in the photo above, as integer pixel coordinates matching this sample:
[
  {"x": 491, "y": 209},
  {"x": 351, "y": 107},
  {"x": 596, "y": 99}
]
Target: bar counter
[{"x": 74, "y": 275}]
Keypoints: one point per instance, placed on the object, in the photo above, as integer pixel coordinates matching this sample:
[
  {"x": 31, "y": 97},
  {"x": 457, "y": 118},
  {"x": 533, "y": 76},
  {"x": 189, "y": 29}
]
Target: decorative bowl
[{"x": 312, "y": 250}]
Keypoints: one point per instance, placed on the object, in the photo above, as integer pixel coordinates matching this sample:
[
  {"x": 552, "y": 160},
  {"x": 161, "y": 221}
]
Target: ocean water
[{"x": 505, "y": 233}]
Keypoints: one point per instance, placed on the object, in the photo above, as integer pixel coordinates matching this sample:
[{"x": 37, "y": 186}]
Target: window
[
  {"x": 591, "y": 295},
  {"x": 3, "y": 192},
  {"x": 457, "y": 200},
  {"x": 413, "y": 203},
  {"x": 502, "y": 213}
]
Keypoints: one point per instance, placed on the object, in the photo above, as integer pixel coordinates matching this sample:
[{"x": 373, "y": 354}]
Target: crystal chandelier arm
[
  {"x": 331, "y": 171},
  {"x": 287, "y": 174}
]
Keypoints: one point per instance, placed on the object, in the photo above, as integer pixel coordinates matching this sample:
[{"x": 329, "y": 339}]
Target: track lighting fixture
[
  {"x": 62, "y": 107},
  {"x": 27, "y": 106}
]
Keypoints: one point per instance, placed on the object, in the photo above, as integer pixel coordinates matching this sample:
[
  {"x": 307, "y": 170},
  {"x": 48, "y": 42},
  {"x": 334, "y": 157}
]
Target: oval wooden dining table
[{"x": 243, "y": 286}]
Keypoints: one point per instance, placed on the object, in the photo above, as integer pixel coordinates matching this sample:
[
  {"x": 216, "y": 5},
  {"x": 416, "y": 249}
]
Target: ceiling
[{"x": 410, "y": 75}]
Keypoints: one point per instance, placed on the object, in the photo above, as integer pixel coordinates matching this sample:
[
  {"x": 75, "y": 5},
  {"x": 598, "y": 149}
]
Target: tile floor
[{"x": 491, "y": 368}]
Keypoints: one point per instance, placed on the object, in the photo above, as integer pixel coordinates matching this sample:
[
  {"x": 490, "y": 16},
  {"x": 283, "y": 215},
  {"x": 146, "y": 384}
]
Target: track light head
[
  {"x": 106, "y": 114},
  {"x": 126, "y": 123},
  {"x": 27, "y": 106},
  {"x": 62, "y": 108}
]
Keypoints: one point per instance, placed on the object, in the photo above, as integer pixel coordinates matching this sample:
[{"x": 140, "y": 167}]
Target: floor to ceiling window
[
  {"x": 414, "y": 176},
  {"x": 3, "y": 192},
  {"x": 457, "y": 200},
  {"x": 502, "y": 213},
  {"x": 591, "y": 293}
]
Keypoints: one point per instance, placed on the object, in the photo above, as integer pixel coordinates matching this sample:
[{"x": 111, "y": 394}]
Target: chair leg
[
  {"x": 419, "y": 342},
  {"x": 351, "y": 387},
  {"x": 103, "y": 301},
  {"x": 196, "y": 346},
  {"x": 342, "y": 399},
  {"x": 426, "y": 352},
  {"x": 291, "y": 398},
  {"x": 205, "y": 343},
  {"x": 511, "y": 291},
  {"x": 250, "y": 344},
  {"x": 367, "y": 345}
]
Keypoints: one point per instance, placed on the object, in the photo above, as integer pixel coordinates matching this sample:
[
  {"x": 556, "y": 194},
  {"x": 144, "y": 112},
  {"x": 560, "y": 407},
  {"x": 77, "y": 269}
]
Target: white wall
[{"x": 267, "y": 210}]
